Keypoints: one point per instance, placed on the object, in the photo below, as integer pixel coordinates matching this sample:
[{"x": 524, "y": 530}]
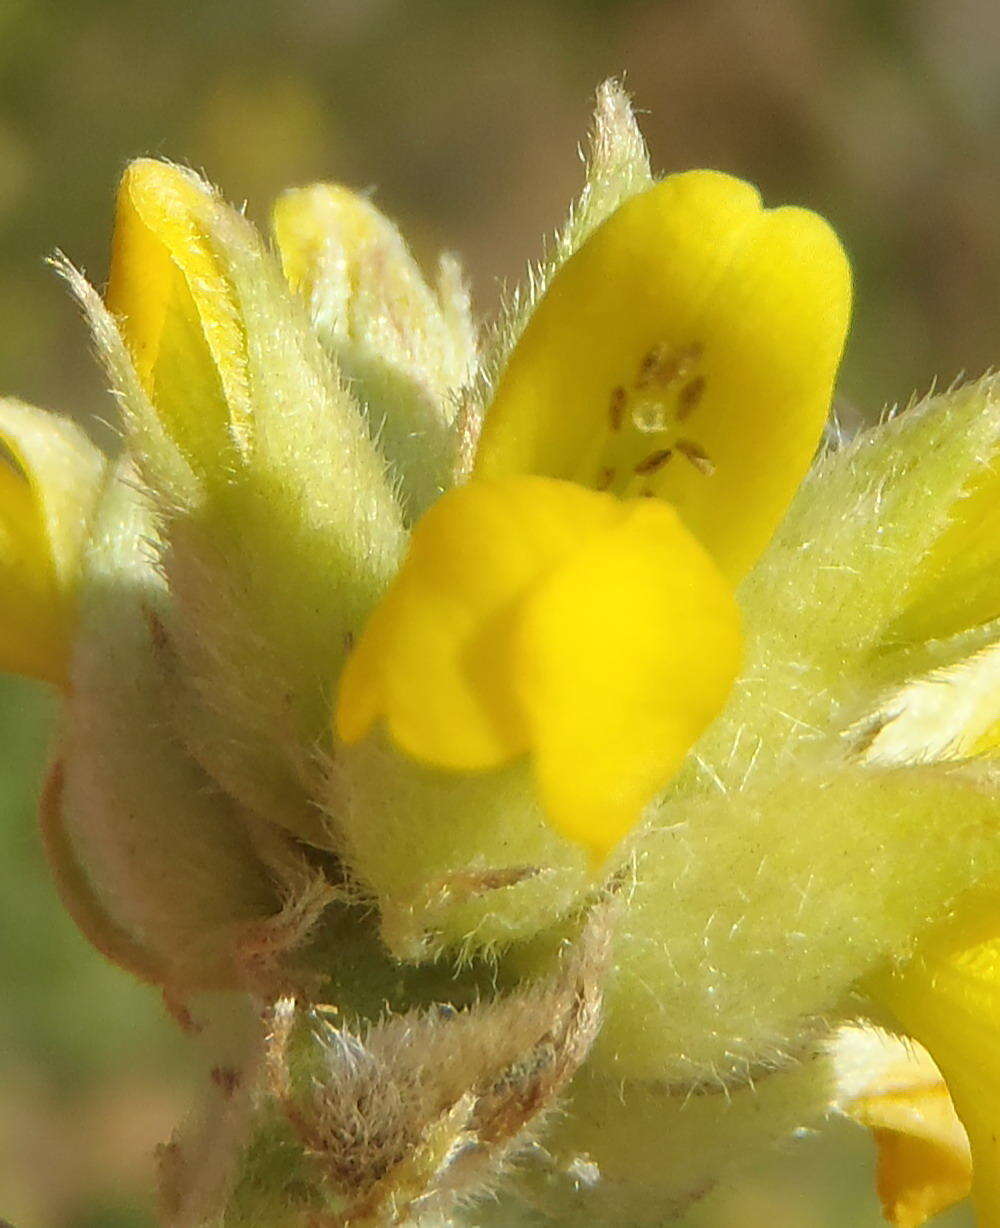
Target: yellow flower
[
  {"x": 167, "y": 286},
  {"x": 49, "y": 476},
  {"x": 948, "y": 999},
  {"x": 924, "y": 1162},
  {"x": 575, "y": 599},
  {"x": 943, "y": 1140}
]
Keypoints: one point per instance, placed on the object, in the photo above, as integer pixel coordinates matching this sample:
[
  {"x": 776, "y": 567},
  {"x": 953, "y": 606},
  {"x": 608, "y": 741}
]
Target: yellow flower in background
[
  {"x": 948, "y": 999},
  {"x": 49, "y": 478},
  {"x": 924, "y": 1163},
  {"x": 666, "y": 399},
  {"x": 937, "y": 1126}
]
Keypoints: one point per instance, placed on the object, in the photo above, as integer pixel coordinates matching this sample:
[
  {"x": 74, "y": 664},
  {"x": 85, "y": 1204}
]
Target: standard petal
[
  {"x": 617, "y": 168},
  {"x": 688, "y": 349},
  {"x": 49, "y": 479},
  {"x": 624, "y": 655}
]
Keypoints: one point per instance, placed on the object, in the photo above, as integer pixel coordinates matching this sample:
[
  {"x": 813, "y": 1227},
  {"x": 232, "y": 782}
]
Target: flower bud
[
  {"x": 405, "y": 347},
  {"x": 277, "y": 527}
]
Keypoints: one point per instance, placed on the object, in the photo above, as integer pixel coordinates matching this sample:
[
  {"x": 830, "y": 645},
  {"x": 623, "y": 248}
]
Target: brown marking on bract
[
  {"x": 605, "y": 478},
  {"x": 227, "y": 1079},
  {"x": 170, "y": 1174},
  {"x": 78, "y": 895},
  {"x": 868, "y": 732},
  {"x": 157, "y": 631},
  {"x": 421, "y": 1109},
  {"x": 178, "y": 1010},
  {"x": 262, "y": 946},
  {"x": 469, "y": 884}
]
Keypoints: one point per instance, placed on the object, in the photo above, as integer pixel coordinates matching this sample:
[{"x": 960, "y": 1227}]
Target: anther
[
  {"x": 616, "y": 410},
  {"x": 696, "y": 455},
  {"x": 689, "y": 396},
  {"x": 665, "y": 366},
  {"x": 652, "y": 364},
  {"x": 652, "y": 462}
]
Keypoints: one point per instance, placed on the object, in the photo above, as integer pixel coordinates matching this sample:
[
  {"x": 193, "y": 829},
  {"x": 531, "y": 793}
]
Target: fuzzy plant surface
[{"x": 542, "y": 765}]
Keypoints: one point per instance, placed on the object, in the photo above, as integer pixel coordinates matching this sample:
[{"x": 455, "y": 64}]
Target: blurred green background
[{"x": 465, "y": 118}]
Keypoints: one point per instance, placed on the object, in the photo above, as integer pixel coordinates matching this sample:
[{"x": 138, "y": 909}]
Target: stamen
[
  {"x": 665, "y": 366},
  {"x": 655, "y": 460},
  {"x": 616, "y": 410},
  {"x": 665, "y": 389},
  {"x": 689, "y": 396},
  {"x": 651, "y": 364},
  {"x": 696, "y": 455}
]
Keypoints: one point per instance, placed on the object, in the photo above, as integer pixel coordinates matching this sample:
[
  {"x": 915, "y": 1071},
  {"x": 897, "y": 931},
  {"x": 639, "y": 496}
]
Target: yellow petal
[
  {"x": 917, "y": 1178},
  {"x": 688, "y": 348},
  {"x": 957, "y": 583},
  {"x": 327, "y": 223},
  {"x": 302, "y": 234},
  {"x": 49, "y": 476},
  {"x": 33, "y": 640},
  {"x": 535, "y": 615},
  {"x": 924, "y": 1163},
  {"x": 434, "y": 658},
  {"x": 948, "y": 998},
  {"x": 624, "y": 655},
  {"x": 176, "y": 307}
]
